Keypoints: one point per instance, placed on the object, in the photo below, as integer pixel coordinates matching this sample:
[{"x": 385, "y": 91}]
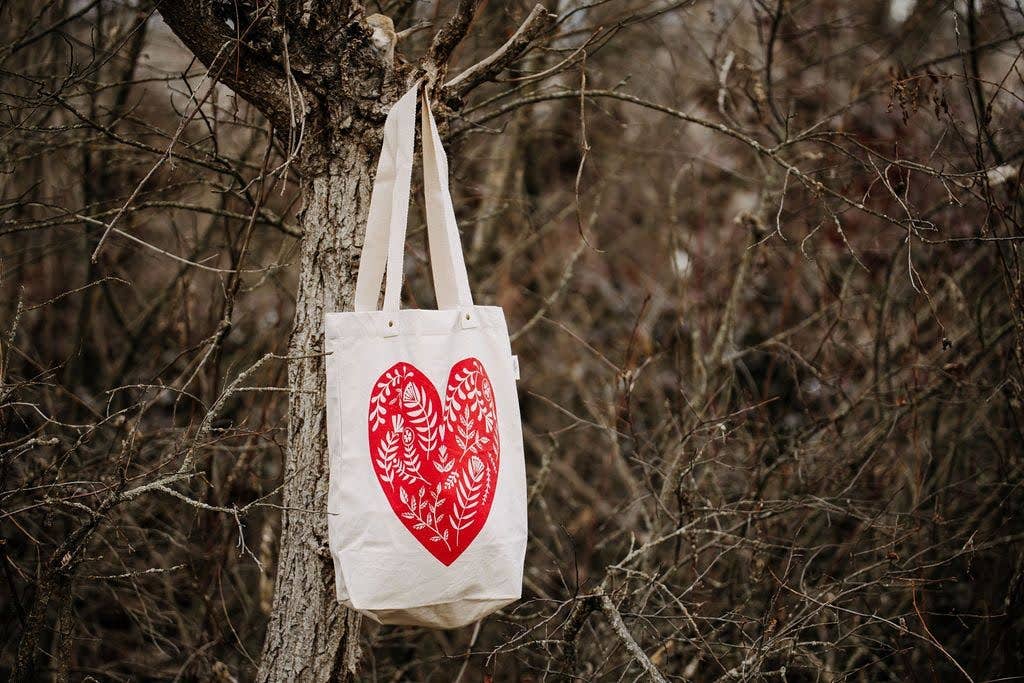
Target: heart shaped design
[{"x": 437, "y": 464}]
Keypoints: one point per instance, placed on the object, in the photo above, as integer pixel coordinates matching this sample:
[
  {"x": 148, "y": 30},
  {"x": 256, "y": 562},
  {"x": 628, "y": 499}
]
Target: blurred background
[{"x": 764, "y": 281}]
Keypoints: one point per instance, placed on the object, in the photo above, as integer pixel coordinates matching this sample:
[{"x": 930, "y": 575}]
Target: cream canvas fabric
[{"x": 427, "y": 502}]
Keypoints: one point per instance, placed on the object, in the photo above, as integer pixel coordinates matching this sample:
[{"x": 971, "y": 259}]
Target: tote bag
[{"x": 427, "y": 500}]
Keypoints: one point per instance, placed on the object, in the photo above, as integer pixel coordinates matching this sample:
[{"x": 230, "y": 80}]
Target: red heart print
[{"x": 437, "y": 464}]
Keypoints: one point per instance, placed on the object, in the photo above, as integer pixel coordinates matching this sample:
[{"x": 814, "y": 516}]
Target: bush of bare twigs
[{"x": 762, "y": 265}]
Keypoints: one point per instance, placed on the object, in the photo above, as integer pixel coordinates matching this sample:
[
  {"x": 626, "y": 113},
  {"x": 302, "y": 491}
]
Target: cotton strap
[{"x": 384, "y": 244}]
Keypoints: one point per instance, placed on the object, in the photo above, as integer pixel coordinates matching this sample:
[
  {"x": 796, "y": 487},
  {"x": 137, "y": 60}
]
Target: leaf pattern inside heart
[{"x": 437, "y": 464}]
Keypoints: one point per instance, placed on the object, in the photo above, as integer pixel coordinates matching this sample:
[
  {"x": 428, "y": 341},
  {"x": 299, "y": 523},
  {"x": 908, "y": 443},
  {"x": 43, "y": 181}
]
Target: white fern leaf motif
[{"x": 387, "y": 452}]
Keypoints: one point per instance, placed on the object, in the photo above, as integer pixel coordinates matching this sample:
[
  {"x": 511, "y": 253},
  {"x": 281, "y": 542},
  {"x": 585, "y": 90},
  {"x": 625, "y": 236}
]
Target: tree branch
[
  {"x": 450, "y": 35},
  {"x": 228, "y": 58},
  {"x": 772, "y": 153},
  {"x": 608, "y": 607},
  {"x": 536, "y": 24}
]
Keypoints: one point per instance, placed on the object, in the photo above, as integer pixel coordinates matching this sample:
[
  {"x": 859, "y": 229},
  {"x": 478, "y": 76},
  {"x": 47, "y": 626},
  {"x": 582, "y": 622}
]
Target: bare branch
[
  {"x": 450, "y": 35},
  {"x": 608, "y": 607},
  {"x": 536, "y": 24},
  {"x": 261, "y": 82}
]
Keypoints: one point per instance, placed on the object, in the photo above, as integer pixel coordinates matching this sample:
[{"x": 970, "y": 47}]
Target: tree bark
[{"x": 309, "y": 636}]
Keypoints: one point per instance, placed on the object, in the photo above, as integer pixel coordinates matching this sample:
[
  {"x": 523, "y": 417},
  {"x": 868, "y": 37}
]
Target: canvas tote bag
[{"x": 427, "y": 501}]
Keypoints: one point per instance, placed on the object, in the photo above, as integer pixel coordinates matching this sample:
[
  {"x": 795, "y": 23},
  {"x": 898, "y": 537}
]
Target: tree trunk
[
  {"x": 345, "y": 87},
  {"x": 310, "y": 637}
]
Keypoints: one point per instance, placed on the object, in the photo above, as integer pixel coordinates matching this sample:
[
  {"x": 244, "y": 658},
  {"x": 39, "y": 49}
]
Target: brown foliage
[{"x": 762, "y": 266}]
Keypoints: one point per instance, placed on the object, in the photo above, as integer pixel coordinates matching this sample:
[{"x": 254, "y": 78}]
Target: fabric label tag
[{"x": 515, "y": 366}]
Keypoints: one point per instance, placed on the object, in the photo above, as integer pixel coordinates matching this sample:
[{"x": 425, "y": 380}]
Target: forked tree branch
[{"x": 538, "y": 22}]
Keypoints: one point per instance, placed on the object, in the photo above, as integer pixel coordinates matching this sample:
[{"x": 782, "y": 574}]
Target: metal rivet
[
  {"x": 391, "y": 323},
  {"x": 467, "y": 316}
]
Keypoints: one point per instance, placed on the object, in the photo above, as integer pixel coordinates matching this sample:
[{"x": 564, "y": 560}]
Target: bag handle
[{"x": 384, "y": 245}]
